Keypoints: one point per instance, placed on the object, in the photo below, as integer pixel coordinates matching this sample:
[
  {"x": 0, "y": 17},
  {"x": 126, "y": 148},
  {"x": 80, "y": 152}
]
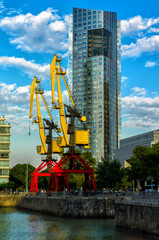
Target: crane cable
[{"x": 29, "y": 127}]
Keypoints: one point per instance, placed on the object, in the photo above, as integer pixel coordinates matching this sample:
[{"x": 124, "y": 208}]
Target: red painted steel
[{"x": 58, "y": 173}]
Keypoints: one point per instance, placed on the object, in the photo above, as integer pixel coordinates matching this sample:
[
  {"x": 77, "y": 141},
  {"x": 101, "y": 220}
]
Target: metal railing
[{"x": 142, "y": 197}]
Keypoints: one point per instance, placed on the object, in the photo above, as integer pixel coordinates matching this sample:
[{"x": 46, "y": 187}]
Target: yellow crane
[
  {"x": 52, "y": 144},
  {"x": 71, "y": 136}
]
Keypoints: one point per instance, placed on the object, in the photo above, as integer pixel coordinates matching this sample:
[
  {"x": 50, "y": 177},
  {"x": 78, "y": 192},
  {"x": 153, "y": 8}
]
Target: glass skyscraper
[
  {"x": 4, "y": 150},
  {"x": 95, "y": 76}
]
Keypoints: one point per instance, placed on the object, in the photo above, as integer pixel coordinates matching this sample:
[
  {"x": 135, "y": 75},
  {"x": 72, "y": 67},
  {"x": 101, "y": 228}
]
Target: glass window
[
  {"x": 4, "y": 138},
  {"x": 4, "y": 155},
  {"x": 4, "y": 172},
  {"x": 4, "y": 163},
  {"x": 1, "y": 122},
  {"x": 99, "y": 43},
  {"x": 4, "y": 179},
  {"x": 4, "y": 146},
  {"x": 4, "y": 130}
]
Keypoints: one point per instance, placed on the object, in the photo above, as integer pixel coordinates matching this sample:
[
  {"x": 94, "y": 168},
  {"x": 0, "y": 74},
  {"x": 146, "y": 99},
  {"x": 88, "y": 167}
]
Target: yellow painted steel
[
  {"x": 41, "y": 149},
  {"x": 60, "y": 141},
  {"x": 53, "y": 73},
  {"x": 82, "y": 137},
  {"x": 66, "y": 84},
  {"x": 55, "y": 147},
  {"x": 41, "y": 129},
  {"x": 53, "y": 68},
  {"x": 41, "y": 93},
  {"x": 61, "y": 110},
  {"x": 32, "y": 89},
  {"x": 83, "y": 119}
]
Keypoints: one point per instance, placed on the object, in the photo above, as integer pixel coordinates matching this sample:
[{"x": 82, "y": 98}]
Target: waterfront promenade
[{"x": 134, "y": 212}]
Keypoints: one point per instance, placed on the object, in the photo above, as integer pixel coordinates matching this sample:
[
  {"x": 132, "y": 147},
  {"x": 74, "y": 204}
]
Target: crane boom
[
  {"x": 35, "y": 89},
  {"x": 77, "y": 137},
  {"x": 32, "y": 90},
  {"x": 41, "y": 129}
]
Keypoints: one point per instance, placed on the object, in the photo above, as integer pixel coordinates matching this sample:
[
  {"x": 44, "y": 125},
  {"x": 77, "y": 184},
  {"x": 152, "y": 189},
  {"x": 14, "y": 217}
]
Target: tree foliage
[
  {"x": 18, "y": 175},
  {"x": 144, "y": 164},
  {"x": 89, "y": 159},
  {"x": 109, "y": 174},
  {"x": 76, "y": 181}
]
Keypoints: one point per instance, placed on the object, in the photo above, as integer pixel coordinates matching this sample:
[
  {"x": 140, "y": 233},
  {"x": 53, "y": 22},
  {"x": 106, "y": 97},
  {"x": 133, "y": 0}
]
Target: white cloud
[
  {"x": 58, "y": 26},
  {"x": 45, "y": 32},
  {"x": 15, "y": 105},
  {"x": 29, "y": 67},
  {"x": 142, "y": 45},
  {"x": 150, "y": 64},
  {"x": 142, "y": 112},
  {"x": 2, "y": 8},
  {"x": 136, "y": 24},
  {"x": 139, "y": 91},
  {"x": 123, "y": 79},
  {"x": 153, "y": 30}
]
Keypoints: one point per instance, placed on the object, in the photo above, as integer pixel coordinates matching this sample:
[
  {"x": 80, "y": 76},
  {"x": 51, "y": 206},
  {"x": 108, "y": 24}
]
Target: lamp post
[{"x": 26, "y": 179}]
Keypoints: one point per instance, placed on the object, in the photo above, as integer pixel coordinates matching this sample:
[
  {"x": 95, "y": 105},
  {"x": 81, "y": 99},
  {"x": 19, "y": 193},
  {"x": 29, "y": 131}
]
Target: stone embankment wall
[
  {"x": 10, "y": 200},
  {"x": 75, "y": 207},
  {"x": 137, "y": 216}
]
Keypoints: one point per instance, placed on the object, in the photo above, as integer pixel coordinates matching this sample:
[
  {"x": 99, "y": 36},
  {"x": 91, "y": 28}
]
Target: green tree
[
  {"x": 43, "y": 182},
  {"x": 153, "y": 163},
  {"x": 145, "y": 163},
  {"x": 18, "y": 175},
  {"x": 109, "y": 174},
  {"x": 138, "y": 170},
  {"x": 89, "y": 159},
  {"x": 76, "y": 181}
]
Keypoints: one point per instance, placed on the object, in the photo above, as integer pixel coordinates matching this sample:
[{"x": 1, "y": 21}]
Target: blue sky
[{"x": 32, "y": 31}]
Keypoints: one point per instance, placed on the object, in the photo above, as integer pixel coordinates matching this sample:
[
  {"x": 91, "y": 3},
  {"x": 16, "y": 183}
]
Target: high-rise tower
[
  {"x": 95, "y": 76},
  {"x": 4, "y": 150}
]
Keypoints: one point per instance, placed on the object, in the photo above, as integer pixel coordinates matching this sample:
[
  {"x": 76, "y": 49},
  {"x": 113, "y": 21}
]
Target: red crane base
[{"x": 58, "y": 173}]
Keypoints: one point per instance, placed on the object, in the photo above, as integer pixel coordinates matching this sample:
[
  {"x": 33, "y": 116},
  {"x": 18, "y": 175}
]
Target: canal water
[{"x": 23, "y": 225}]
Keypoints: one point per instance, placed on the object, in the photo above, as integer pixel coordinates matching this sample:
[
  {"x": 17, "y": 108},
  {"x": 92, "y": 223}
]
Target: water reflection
[{"x": 21, "y": 225}]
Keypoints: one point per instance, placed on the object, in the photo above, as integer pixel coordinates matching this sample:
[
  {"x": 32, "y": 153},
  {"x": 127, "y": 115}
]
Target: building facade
[
  {"x": 127, "y": 145},
  {"x": 94, "y": 71},
  {"x": 4, "y": 150}
]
